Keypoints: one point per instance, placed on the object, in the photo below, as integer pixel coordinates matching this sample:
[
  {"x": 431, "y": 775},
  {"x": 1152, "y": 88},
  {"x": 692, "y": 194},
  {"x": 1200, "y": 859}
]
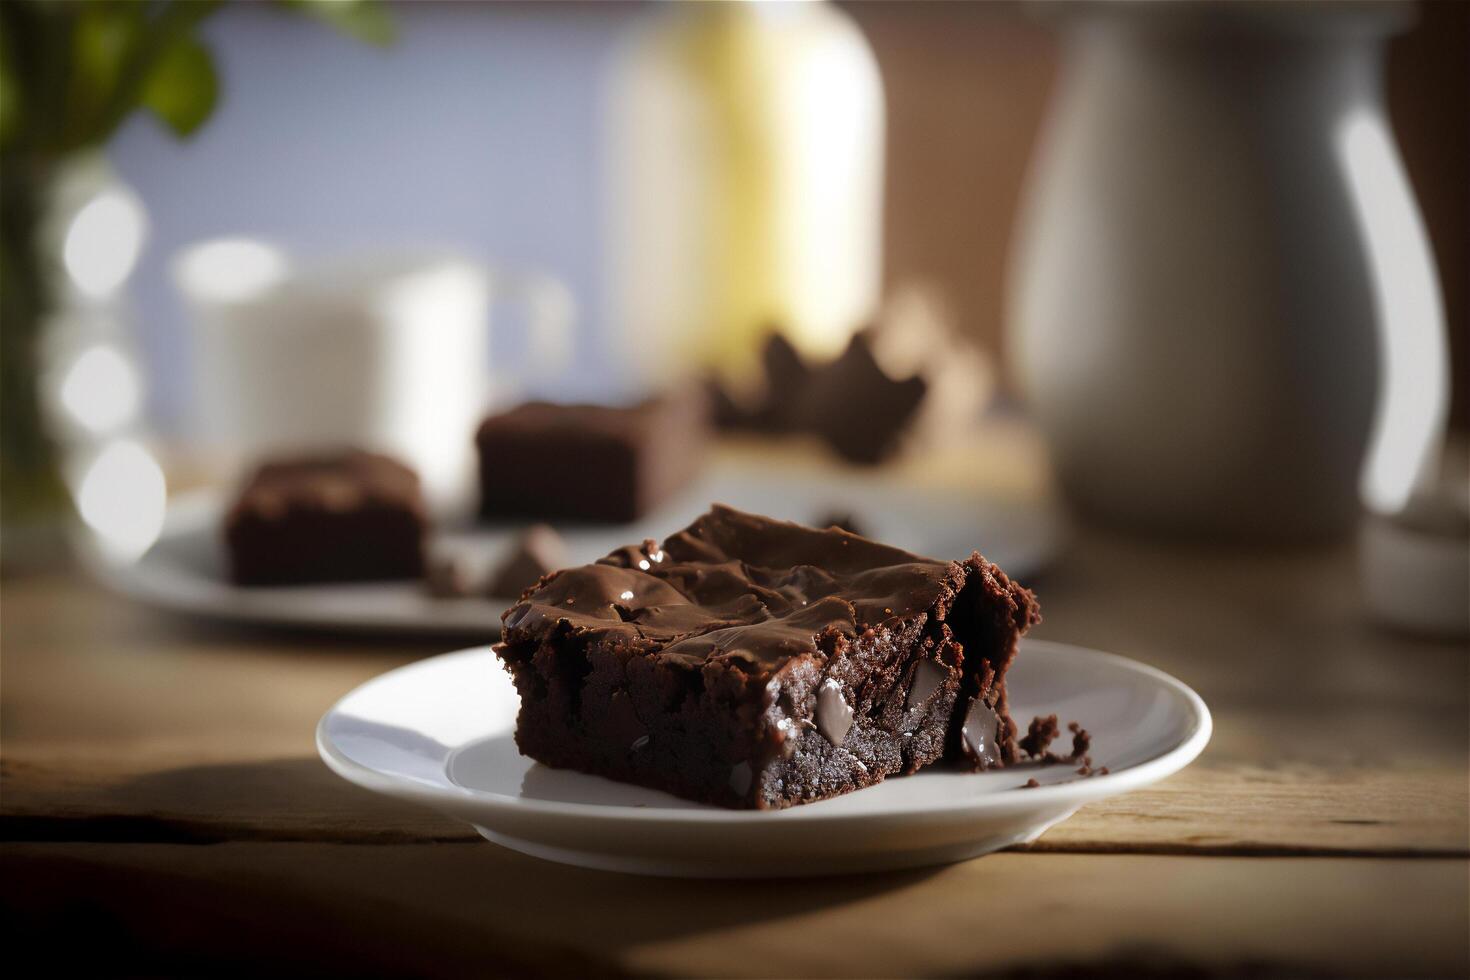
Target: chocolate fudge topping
[
  {"x": 733, "y": 586},
  {"x": 752, "y": 662}
]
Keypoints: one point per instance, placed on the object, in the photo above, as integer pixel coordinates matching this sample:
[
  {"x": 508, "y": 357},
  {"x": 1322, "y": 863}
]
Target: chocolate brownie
[
  {"x": 349, "y": 516},
  {"x": 592, "y": 463},
  {"x": 755, "y": 663}
]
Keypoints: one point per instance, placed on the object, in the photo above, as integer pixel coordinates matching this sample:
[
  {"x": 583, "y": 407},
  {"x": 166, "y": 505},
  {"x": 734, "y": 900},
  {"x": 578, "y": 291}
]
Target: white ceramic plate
[
  {"x": 185, "y": 570},
  {"x": 440, "y": 732}
]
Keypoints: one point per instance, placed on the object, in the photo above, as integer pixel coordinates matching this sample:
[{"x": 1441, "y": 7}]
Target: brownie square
[
  {"x": 349, "y": 516},
  {"x": 755, "y": 663},
  {"x": 589, "y": 463}
]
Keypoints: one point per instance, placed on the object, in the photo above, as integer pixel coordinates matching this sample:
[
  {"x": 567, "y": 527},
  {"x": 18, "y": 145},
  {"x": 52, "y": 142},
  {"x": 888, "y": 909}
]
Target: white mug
[{"x": 389, "y": 352}]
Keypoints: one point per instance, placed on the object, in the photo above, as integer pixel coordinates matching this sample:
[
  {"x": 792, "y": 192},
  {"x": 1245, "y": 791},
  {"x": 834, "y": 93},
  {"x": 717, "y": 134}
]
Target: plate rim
[{"x": 1070, "y": 793}]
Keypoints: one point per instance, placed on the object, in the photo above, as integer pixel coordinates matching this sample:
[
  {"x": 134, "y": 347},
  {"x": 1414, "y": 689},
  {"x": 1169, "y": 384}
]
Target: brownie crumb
[
  {"x": 1081, "y": 740},
  {"x": 1030, "y": 784},
  {"x": 1045, "y": 730},
  {"x": 1041, "y": 733}
]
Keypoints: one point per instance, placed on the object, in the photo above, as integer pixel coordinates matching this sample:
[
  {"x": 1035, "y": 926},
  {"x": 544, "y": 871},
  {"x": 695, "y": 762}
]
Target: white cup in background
[{"x": 389, "y": 352}]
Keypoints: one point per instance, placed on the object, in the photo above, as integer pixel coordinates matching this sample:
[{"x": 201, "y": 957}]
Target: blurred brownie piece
[
  {"x": 752, "y": 663},
  {"x": 849, "y": 402},
  {"x": 908, "y": 379},
  {"x": 539, "y": 551},
  {"x": 348, "y": 516},
  {"x": 589, "y": 463},
  {"x": 771, "y": 407},
  {"x": 856, "y": 407},
  {"x": 449, "y": 577}
]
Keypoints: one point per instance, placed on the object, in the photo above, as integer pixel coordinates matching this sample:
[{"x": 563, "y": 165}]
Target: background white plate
[
  {"x": 185, "y": 570},
  {"x": 439, "y": 732}
]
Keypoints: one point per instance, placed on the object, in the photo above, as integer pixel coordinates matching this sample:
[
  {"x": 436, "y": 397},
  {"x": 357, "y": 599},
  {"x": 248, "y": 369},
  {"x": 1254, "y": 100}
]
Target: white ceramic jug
[{"x": 1222, "y": 298}]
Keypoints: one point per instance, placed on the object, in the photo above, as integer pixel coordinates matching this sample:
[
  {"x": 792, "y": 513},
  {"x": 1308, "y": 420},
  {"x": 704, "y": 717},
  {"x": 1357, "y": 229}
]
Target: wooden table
[{"x": 163, "y": 810}]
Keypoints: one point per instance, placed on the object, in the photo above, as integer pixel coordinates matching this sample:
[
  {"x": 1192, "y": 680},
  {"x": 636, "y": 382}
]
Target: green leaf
[
  {"x": 182, "y": 86},
  {"x": 103, "y": 37},
  {"x": 366, "y": 20},
  {"x": 10, "y": 95}
]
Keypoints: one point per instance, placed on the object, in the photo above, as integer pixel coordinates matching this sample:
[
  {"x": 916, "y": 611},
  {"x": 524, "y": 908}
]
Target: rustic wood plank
[
  {"x": 1285, "y": 810},
  {"x": 1331, "y": 735},
  {"x": 456, "y": 908},
  {"x": 1204, "y": 810}
]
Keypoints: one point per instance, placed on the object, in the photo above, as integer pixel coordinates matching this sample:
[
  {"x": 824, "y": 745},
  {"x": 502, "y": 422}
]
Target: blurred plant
[{"x": 71, "y": 72}]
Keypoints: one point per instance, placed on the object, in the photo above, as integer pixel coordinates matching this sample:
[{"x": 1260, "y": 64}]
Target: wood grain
[{"x": 1205, "y": 810}]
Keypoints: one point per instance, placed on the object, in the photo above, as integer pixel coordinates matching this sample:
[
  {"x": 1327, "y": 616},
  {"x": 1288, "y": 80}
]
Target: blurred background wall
[{"x": 482, "y": 128}]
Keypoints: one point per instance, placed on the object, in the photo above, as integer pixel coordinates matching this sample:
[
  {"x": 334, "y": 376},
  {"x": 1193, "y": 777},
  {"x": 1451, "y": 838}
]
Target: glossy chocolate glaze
[{"x": 733, "y": 586}]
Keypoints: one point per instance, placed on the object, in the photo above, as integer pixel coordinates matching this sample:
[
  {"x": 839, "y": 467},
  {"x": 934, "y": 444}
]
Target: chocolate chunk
[
  {"x": 928, "y": 676},
  {"x": 834, "y": 714},
  {"x": 980, "y": 736},
  {"x": 539, "y": 550},
  {"x": 741, "y": 776}
]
